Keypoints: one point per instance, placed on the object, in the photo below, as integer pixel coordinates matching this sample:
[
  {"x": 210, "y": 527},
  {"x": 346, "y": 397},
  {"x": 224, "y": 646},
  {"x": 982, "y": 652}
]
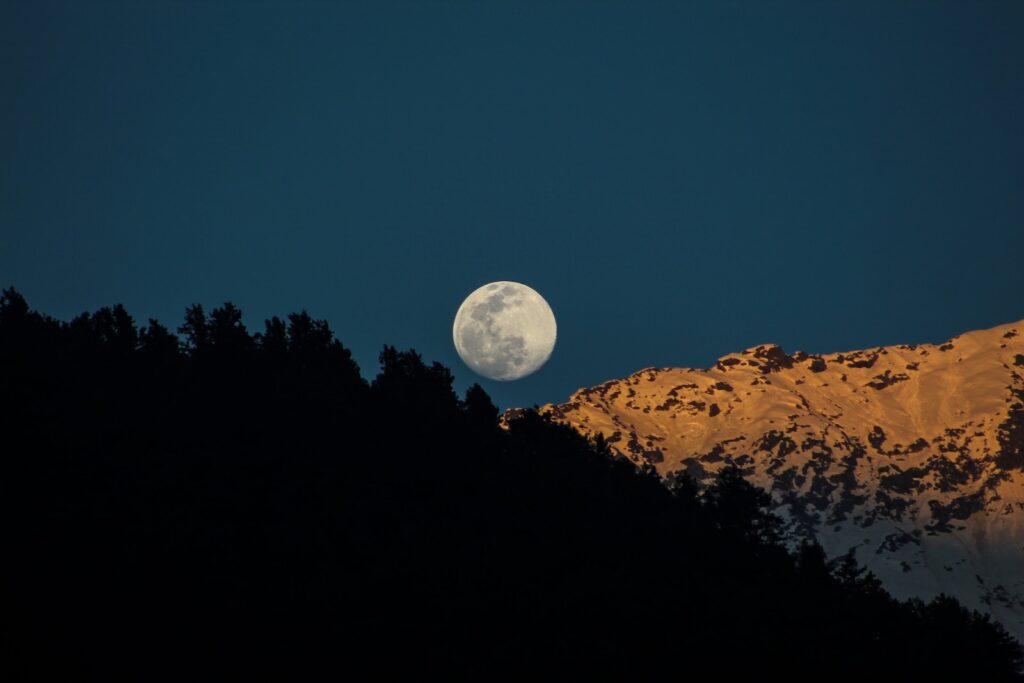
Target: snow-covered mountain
[{"x": 911, "y": 455}]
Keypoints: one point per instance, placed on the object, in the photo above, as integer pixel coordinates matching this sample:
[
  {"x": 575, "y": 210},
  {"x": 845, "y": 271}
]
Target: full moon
[{"x": 504, "y": 331}]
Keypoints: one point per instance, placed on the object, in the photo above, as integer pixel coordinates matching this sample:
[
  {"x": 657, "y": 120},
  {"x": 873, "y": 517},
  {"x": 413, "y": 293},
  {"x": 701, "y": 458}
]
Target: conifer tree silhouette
[{"x": 235, "y": 505}]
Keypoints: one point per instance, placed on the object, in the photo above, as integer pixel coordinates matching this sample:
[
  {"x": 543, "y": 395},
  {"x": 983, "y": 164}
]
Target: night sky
[{"x": 679, "y": 180}]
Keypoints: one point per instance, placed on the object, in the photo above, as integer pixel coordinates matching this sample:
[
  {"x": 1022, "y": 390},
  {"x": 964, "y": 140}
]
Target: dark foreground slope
[{"x": 248, "y": 505}]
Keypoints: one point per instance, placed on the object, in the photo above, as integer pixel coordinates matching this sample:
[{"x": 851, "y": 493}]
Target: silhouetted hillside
[{"x": 243, "y": 505}]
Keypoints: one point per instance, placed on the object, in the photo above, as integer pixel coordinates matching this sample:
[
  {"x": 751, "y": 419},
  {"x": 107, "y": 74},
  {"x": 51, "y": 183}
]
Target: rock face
[{"x": 911, "y": 456}]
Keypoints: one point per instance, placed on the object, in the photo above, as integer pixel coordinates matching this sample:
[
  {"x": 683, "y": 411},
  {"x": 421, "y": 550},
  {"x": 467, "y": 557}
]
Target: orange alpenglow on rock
[{"x": 911, "y": 456}]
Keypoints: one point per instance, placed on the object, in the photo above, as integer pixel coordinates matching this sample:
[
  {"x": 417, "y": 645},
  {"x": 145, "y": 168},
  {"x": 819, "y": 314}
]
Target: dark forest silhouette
[{"x": 227, "y": 504}]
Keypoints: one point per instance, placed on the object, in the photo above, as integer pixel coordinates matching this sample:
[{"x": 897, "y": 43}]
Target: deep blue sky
[{"x": 679, "y": 180}]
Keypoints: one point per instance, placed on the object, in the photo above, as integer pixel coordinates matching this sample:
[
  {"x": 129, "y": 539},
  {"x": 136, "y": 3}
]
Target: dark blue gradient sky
[{"x": 679, "y": 180}]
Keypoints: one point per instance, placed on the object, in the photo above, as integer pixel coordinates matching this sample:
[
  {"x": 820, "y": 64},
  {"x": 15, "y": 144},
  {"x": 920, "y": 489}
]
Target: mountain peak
[{"x": 911, "y": 456}]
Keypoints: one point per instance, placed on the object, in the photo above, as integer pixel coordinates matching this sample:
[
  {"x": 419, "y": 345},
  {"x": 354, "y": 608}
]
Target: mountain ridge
[{"x": 909, "y": 456}]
